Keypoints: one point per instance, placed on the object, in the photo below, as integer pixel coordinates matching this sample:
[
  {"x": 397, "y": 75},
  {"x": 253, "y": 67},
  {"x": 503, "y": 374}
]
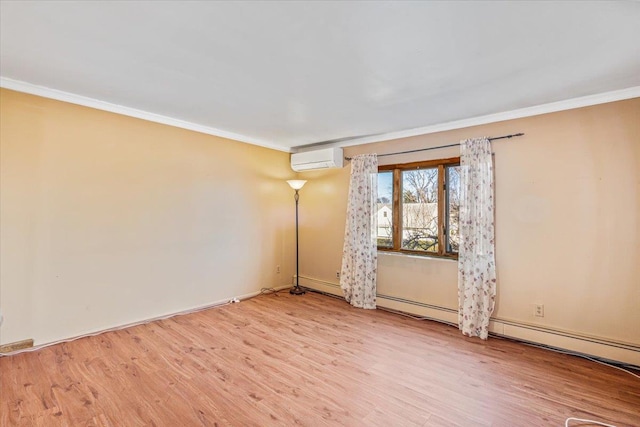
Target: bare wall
[
  {"x": 567, "y": 222},
  {"x": 107, "y": 220}
]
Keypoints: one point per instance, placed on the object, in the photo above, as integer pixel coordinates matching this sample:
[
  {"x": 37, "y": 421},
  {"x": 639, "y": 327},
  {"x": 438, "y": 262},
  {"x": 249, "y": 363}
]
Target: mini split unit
[{"x": 319, "y": 159}]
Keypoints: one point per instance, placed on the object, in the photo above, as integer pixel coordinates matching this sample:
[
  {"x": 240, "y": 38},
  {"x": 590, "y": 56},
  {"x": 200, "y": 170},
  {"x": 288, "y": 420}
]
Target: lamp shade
[{"x": 296, "y": 184}]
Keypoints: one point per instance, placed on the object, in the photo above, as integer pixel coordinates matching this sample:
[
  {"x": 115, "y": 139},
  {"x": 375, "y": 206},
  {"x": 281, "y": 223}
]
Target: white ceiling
[{"x": 288, "y": 74}]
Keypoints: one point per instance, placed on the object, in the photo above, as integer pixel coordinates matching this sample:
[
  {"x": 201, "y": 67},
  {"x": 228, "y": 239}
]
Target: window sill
[{"x": 418, "y": 255}]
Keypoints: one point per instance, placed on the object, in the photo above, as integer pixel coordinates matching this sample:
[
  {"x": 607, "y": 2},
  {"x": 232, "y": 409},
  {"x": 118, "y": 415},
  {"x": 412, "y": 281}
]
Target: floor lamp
[{"x": 297, "y": 184}]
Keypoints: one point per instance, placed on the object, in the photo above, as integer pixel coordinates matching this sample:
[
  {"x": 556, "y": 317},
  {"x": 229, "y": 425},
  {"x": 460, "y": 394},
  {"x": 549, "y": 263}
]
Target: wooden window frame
[{"x": 396, "y": 226}]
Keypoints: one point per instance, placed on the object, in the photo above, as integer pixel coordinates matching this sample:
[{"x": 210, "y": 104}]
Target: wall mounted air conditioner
[{"x": 318, "y": 159}]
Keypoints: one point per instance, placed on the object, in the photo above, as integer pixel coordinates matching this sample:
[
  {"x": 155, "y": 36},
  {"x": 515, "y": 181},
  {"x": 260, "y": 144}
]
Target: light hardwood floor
[{"x": 306, "y": 360}]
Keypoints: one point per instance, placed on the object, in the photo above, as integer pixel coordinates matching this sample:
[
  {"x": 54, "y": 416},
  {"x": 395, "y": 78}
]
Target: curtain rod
[{"x": 442, "y": 146}]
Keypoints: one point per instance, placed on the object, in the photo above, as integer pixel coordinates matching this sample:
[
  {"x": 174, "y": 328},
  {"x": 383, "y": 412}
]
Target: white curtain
[
  {"x": 476, "y": 256},
  {"x": 360, "y": 253}
]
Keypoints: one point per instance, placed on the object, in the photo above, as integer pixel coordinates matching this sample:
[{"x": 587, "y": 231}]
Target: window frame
[{"x": 443, "y": 203}]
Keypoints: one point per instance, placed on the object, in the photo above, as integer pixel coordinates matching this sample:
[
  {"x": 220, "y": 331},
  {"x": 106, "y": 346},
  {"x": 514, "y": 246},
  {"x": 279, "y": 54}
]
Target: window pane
[
  {"x": 420, "y": 210},
  {"x": 453, "y": 208},
  {"x": 385, "y": 209}
]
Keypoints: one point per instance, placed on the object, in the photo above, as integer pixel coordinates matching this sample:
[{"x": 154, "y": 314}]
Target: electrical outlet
[
  {"x": 277, "y": 269},
  {"x": 538, "y": 310},
  {"x": 337, "y": 274}
]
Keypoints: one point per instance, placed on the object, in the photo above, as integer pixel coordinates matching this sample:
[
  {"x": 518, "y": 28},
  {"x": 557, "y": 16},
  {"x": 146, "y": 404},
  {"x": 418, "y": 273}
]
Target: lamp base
[{"x": 296, "y": 290}]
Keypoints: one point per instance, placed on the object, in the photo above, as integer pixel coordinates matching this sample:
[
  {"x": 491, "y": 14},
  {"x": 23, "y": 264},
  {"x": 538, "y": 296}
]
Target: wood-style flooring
[{"x": 283, "y": 360}]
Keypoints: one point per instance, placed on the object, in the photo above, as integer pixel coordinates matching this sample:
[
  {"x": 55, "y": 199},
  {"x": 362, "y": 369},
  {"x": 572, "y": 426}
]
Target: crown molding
[
  {"x": 59, "y": 95},
  {"x": 569, "y": 104},
  {"x": 584, "y": 101}
]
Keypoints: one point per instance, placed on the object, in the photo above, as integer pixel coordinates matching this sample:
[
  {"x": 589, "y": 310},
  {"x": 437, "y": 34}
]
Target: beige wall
[
  {"x": 107, "y": 220},
  {"x": 567, "y": 222}
]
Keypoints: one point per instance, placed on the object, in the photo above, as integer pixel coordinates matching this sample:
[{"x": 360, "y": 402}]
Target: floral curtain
[
  {"x": 360, "y": 253},
  {"x": 476, "y": 256}
]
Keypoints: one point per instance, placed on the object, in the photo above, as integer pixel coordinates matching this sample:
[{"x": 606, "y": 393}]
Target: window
[
  {"x": 418, "y": 206},
  {"x": 385, "y": 211}
]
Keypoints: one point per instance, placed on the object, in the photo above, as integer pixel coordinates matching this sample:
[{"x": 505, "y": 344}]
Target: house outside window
[{"x": 418, "y": 207}]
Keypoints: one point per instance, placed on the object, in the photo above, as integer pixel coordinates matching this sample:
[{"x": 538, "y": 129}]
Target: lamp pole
[{"x": 297, "y": 184}]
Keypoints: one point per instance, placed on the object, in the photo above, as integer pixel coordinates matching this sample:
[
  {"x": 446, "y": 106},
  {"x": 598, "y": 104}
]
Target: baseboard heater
[{"x": 626, "y": 353}]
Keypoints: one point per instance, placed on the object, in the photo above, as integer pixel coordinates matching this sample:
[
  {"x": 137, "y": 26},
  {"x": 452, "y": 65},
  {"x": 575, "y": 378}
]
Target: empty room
[{"x": 319, "y": 213}]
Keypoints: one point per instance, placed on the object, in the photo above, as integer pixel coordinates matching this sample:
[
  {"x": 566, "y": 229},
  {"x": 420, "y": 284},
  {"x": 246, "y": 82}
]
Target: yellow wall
[
  {"x": 107, "y": 220},
  {"x": 567, "y": 222}
]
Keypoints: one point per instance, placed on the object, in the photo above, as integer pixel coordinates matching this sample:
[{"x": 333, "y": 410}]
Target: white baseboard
[{"x": 588, "y": 345}]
